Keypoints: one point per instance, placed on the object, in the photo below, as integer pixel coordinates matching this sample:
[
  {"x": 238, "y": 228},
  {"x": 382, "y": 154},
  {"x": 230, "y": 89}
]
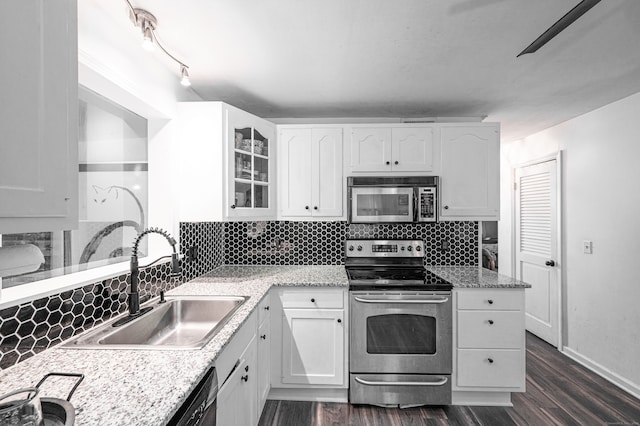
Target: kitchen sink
[{"x": 182, "y": 322}]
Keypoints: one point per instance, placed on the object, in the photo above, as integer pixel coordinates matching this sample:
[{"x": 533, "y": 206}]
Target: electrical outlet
[
  {"x": 192, "y": 254},
  {"x": 587, "y": 247}
]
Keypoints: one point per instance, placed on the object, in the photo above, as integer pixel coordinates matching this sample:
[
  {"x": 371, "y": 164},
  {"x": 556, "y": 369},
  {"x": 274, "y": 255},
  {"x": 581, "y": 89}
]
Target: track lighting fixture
[{"x": 148, "y": 24}]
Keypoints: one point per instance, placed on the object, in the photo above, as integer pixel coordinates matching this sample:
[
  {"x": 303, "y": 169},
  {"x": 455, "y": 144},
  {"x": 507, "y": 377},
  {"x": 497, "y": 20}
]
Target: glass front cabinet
[{"x": 251, "y": 145}]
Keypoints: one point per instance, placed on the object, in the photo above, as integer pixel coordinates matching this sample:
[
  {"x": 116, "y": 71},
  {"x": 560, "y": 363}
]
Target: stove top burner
[{"x": 399, "y": 277}]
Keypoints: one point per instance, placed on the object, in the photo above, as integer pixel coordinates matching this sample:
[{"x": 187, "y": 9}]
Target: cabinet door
[
  {"x": 313, "y": 346},
  {"x": 295, "y": 173},
  {"x": 237, "y": 398},
  {"x": 470, "y": 175},
  {"x": 251, "y": 146},
  {"x": 264, "y": 362},
  {"x": 412, "y": 149},
  {"x": 370, "y": 149},
  {"x": 39, "y": 120},
  {"x": 326, "y": 173}
]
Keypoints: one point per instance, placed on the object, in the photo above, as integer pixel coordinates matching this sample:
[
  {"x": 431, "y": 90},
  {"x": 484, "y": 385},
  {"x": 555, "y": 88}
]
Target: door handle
[
  {"x": 550, "y": 263},
  {"x": 440, "y": 382},
  {"x": 436, "y": 300}
]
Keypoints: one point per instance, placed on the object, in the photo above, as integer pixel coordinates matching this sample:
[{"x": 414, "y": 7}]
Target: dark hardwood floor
[{"x": 559, "y": 392}]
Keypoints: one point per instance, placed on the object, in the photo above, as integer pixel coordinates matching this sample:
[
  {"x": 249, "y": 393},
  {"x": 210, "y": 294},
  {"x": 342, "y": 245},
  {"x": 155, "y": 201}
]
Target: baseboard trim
[
  {"x": 604, "y": 372},
  {"x": 314, "y": 395},
  {"x": 492, "y": 399}
]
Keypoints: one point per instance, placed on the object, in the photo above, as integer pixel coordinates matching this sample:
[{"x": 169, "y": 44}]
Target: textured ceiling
[{"x": 403, "y": 58}]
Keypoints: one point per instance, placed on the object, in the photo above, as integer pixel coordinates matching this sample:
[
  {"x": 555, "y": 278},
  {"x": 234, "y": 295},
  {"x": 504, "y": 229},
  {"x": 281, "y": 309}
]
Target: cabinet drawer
[
  {"x": 491, "y": 329},
  {"x": 495, "y": 300},
  {"x": 318, "y": 298},
  {"x": 499, "y": 368},
  {"x": 264, "y": 308}
]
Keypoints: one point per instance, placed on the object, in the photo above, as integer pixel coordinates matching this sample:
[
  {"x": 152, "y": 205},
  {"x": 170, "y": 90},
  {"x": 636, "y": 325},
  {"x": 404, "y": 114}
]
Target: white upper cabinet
[
  {"x": 311, "y": 179},
  {"x": 227, "y": 163},
  {"x": 392, "y": 149},
  {"x": 412, "y": 149},
  {"x": 39, "y": 120},
  {"x": 251, "y": 144},
  {"x": 470, "y": 172}
]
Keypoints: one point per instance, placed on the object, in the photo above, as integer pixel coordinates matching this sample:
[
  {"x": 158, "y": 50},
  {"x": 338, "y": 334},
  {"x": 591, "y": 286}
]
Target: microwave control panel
[{"x": 427, "y": 204}]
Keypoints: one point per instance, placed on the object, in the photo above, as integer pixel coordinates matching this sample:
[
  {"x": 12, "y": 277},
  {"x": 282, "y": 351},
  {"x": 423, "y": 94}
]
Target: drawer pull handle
[
  {"x": 490, "y": 301},
  {"x": 313, "y": 300},
  {"x": 266, "y": 308},
  {"x": 490, "y": 322},
  {"x": 440, "y": 382},
  {"x": 490, "y": 360}
]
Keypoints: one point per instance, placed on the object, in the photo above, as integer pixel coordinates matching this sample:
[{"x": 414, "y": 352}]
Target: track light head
[{"x": 184, "y": 80}]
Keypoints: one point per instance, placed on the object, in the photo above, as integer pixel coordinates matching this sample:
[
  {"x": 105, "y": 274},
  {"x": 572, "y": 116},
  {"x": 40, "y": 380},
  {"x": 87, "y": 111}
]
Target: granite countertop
[
  {"x": 145, "y": 387},
  {"x": 473, "y": 277}
]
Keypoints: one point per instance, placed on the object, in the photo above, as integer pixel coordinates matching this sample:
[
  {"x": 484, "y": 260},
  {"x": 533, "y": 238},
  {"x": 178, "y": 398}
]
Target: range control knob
[
  {"x": 418, "y": 248},
  {"x": 359, "y": 248},
  {"x": 402, "y": 248},
  {"x": 350, "y": 248},
  {"x": 409, "y": 248}
]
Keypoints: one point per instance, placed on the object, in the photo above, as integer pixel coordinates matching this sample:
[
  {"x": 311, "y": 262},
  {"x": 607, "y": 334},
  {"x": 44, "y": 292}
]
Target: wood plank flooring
[{"x": 559, "y": 392}]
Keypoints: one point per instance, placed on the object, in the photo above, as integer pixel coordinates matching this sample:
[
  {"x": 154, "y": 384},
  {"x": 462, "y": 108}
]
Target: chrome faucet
[{"x": 134, "y": 295}]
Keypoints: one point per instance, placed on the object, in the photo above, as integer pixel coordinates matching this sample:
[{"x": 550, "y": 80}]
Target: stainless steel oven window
[{"x": 401, "y": 334}]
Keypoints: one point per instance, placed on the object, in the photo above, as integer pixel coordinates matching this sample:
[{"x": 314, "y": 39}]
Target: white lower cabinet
[
  {"x": 489, "y": 344},
  {"x": 313, "y": 346},
  {"x": 264, "y": 352},
  {"x": 238, "y": 377},
  {"x": 309, "y": 346}
]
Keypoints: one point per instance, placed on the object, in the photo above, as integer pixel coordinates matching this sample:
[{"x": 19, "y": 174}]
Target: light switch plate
[{"x": 587, "y": 247}]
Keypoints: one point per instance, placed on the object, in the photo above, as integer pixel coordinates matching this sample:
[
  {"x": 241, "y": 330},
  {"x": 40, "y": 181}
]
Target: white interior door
[{"x": 537, "y": 242}]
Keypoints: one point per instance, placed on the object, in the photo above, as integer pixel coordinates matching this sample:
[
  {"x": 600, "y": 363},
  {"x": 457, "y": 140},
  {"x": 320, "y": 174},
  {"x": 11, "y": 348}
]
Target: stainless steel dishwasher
[{"x": 200, "y": 406}]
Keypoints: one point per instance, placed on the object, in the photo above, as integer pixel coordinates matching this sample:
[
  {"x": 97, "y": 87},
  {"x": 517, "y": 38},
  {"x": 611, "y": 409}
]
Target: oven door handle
[
  {"x": 434, "y": 301},
  {"x": 440, "y": 382}
]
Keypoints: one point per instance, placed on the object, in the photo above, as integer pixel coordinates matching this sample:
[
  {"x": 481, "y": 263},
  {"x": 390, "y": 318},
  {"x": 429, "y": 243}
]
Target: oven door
[
  {"x": 400, "y": 333},
  {"x": 381, "y": 204}
]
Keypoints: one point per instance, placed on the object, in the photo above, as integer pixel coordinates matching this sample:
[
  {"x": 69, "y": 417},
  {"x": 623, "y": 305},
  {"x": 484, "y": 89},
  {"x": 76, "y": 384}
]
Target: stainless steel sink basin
[{"x": 183, "y": 322}]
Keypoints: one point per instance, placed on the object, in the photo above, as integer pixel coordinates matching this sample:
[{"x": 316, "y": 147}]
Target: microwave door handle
[{"x": 416, "y": 208}]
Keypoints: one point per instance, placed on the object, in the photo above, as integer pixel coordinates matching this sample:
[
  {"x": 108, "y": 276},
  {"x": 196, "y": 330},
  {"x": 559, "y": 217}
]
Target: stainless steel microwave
[{"x": 392, "y": 199}]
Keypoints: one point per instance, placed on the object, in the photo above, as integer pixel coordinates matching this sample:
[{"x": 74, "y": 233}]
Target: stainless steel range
[{"x": 400, "y": 333}]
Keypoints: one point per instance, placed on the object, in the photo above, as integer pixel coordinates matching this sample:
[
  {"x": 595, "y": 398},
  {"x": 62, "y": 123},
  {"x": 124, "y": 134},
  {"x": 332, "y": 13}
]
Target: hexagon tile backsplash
[{"x": 32, "y": 327}]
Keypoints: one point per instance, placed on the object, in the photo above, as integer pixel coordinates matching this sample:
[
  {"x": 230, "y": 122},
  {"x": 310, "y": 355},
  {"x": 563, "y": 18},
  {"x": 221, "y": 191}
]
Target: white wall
[
  {"x": 601, "y": 202},
  {"x": 113, "y": 63}
]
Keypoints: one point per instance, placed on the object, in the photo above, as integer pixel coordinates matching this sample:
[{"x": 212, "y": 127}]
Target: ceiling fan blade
[{"x": 562, "y": 23}]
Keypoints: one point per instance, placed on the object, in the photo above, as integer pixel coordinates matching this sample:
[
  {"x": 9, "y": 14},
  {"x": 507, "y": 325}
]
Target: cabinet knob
[
  {"x": 263, "y": 337},
  {"x": 246, "y": 368},
  {"x": 306, "y": 207},
  {"x": 550, "y": 263},
  {"x": 266, "y": 308},
  {"x": 339, "y": 320},
  {"x": 396, "y": 163},
  {"x": 245, "y": 378},
  {"x": 490, "y": 360},
  {"x": 315, "y": 207},
  {"x": 313, "y": 300},
  {"x": 446, "y": 207},
  {"x": 490, "y": 322},
  {"x": 388, "y": 162},
  {"x": 233, "y": 206},
  {"x": 490, "y": 301}
]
